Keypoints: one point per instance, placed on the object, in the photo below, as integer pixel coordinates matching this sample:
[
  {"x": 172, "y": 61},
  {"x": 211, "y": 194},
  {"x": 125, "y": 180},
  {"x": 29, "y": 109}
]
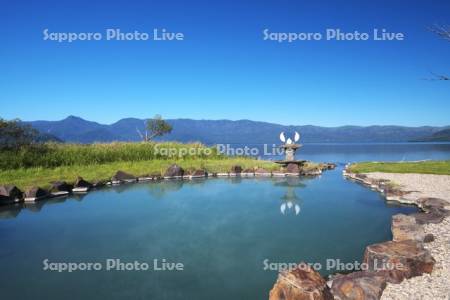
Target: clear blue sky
[{"x": 224, "y": 69}]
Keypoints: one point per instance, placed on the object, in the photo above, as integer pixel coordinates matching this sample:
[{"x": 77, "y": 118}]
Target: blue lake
[{"x": 221, "y": 230}]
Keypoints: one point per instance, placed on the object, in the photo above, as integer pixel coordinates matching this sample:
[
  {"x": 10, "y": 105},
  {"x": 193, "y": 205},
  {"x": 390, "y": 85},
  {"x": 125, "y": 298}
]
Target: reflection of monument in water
[{"x": 291, "y": 203}]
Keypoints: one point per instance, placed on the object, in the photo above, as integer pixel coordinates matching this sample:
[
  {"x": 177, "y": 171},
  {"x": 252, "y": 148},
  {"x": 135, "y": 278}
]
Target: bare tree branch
[{"x": 443, "y": 31}]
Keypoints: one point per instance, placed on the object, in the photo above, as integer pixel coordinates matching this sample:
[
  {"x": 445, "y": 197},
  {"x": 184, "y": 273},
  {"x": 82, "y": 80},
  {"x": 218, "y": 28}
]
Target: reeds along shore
[{"x": 53, "y": 155}]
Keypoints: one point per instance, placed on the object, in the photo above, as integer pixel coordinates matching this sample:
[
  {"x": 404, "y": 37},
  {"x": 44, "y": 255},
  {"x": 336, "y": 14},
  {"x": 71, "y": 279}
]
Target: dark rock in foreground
[
  {"x": 236, "y": 169},
  {"x": 61, "y": 186},
  {"x": 10, "y": 194},
  {"x": 122, "y": 176},
  {"x": 300, "y": 283},
  {"x": 358, "y": 286},
  {"x": 81, "y": 183},
  {"x": 428, "y": 238},
  {"x": 398, "y": 260},
  {"x": 174, "y": 171}
]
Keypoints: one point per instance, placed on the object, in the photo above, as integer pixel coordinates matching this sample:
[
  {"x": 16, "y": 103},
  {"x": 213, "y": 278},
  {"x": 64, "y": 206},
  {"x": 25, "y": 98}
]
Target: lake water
[{"x": 221, "y": 230}]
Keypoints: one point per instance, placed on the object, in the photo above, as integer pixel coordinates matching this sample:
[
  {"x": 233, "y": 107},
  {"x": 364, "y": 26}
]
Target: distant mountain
[
  {"x": 75, "y": 129},
  {"x": 439, "y": 136}
]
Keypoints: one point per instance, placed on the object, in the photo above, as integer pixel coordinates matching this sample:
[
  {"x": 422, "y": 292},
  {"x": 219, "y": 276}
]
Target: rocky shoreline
[
  {"x": 431, "y": 193},
  {"x": 10, "y": 194},
  {"x": 419, "y": 251}
]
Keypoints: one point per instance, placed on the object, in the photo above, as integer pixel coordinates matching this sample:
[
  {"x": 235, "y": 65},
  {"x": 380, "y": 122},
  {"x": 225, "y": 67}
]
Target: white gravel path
[{"x": 436, "y": 285}]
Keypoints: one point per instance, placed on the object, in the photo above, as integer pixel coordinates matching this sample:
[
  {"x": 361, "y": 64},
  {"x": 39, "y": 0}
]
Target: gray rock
[{"x": 432, "y": 203}]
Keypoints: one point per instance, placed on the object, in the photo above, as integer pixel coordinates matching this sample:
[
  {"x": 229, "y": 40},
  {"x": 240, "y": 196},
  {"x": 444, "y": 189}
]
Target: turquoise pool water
[{"x": 221, "y": 230}]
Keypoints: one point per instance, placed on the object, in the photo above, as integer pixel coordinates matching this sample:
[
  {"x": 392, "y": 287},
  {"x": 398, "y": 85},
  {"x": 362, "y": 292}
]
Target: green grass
[
  {"x": 423, "y": 167},
  {"x": 27, "y": 177},
  {"x": 42, "y": 165},
  {"x": 56, "y": 155}
]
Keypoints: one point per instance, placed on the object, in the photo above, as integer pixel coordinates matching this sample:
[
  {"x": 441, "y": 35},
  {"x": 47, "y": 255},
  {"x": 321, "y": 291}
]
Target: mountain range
[{"x": 78, "y": 130}]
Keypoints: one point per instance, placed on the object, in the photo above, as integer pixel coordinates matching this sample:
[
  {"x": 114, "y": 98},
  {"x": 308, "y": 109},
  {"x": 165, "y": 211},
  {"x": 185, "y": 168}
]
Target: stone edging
[
  {"x": 10, "y": 194},
  {"x": 407, "y": 247}
]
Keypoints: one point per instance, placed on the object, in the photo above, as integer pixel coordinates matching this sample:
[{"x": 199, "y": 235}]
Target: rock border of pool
[
  {"x": 413, "y": 243},
  {"x": 11, "y": 194}
]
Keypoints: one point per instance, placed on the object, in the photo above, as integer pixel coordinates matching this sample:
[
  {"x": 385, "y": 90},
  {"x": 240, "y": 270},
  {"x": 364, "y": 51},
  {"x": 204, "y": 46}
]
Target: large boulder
[
  {"x": 35, "y": 193},
  {"x": 300, "y": 283},
  {"x": 81, "y": 183},
  {"x": 174, "y": 171},
  {"x": 432, "y": 216},
  {"x": 9, "y": 194},
  {"x": 60, "y": 186},
  {"x": 433, "y": 203},
  {"x": 405, "y": 228},
  {"x": 236, "y": 169},
  {"x": 358, "y": 286},
  {"x": 292, "y": 168},
  {"x": 123, "y": 176},
  {"x": 398, "y": 260}
]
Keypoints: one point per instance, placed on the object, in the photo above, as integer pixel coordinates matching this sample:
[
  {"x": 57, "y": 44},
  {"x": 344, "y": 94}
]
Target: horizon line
[{"x": 238, "y": 120}]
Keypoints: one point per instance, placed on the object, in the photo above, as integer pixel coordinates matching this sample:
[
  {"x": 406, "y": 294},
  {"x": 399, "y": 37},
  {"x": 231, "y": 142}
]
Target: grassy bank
[
  {"x": 26, "y": 177},
  {"x": 423, "y": 167},
  {"x": 39, "y": 167}
]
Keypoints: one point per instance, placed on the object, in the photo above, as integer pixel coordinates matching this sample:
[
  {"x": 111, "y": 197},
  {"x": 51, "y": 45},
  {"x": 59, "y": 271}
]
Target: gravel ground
[
  {"x": 421, "y": 185},
  {"x": 437, "y": 284}
]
